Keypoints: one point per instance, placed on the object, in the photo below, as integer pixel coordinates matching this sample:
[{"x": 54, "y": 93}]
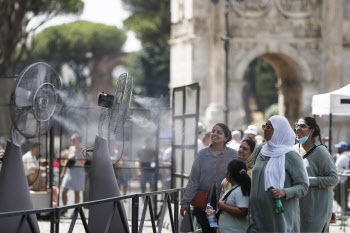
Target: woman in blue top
[{"x": 235, "y": 202}]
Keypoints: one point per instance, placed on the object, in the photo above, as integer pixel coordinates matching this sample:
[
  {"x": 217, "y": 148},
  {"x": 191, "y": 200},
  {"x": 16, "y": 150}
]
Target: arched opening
[
  {"x": 260, "y": 93},
  {"x": 269, "y": 79}
]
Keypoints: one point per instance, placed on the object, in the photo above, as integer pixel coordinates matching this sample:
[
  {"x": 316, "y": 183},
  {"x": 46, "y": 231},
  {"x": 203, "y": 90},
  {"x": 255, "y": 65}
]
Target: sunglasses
[
  {"x": 267, "y": 127},
  {"x": 302, "y": 126}
]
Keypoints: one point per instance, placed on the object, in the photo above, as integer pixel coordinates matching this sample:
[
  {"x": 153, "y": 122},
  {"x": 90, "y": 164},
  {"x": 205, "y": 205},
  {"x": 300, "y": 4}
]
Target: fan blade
[
  {"x": 23, "y": 97},
  {"x": 42, "y": 69},
  {"x": 120, "y": 111}
]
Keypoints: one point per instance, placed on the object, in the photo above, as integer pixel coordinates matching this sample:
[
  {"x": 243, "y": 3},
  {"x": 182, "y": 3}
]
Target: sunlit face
[
  {"x": 244, "y": 151},
  {"x": 217, "y": 135},
  {"x": 268, "y": 130},
  {"x": 302, "y": 129}
]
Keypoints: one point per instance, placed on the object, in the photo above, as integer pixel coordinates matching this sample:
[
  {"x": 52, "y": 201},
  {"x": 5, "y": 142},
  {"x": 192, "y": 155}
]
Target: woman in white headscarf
[{"x": 278, "y": 173}]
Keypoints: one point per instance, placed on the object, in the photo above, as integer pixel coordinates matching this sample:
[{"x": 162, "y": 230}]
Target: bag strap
[
  {"x": 225, "y": 197},
  {"x": 217, "y": 169}
]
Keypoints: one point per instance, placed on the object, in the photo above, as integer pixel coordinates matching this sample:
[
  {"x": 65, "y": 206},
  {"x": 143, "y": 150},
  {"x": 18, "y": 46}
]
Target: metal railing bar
[
  {"x": 176, "y": 211},
  {"x": 27, "y": 212},
  {"x": 143, "y": 216},
  {"x": 57, "y": 220},
  {"x": 135, "y": 214},
  {"x": 171, "y": 215},
  {"x": 122, "y": 217},
  {"x": 72, "y": 224},
  {"x": 110, "y": 217},
  {"x": 21, "y": 222},
  {"x": 160, "y": 223},
  {"x": 152, "y": 217},
  {"x": 31, "y": 224},
  {"x": 83, "y": 219}
]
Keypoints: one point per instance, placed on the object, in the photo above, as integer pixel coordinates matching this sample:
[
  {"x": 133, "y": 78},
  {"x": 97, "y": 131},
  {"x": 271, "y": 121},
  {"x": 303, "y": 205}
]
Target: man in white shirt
[
  {"x": 31, "y": 164},
  {"x": 343, "y": 163}
]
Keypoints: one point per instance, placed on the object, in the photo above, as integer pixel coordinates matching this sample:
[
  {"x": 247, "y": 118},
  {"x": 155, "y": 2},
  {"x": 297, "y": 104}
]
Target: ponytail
[{"x": 238, "y": 172}]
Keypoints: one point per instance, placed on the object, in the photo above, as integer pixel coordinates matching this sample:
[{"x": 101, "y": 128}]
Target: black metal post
[
  {"x": 227, "y": 48},
  {"x": 330, "y": 134},
  {"x": 52, "y": 158},
  {"x": 135, "y": 214}
]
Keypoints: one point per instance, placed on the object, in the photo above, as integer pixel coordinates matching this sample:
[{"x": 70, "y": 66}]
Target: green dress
[
  {"x": 316, "y": 206},
  {"x": 262, "y": 214}
]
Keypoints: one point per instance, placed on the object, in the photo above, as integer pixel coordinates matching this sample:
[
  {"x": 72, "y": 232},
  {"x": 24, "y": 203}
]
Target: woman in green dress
[
  {"x": 277, "y": 165},
  {"x": 316, "y": 206}
]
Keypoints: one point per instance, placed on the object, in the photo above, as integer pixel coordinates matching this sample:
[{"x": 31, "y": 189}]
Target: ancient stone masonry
[{"x": 306, "y": 41}]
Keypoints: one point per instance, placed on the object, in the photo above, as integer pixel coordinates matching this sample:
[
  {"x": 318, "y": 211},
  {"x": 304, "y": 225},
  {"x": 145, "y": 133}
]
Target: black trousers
[
  {"x": 202, "y": 219},
  {"x": 337, "y": 194}
]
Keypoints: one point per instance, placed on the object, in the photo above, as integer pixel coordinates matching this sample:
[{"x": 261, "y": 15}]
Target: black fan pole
[{"x": 52, "y": 157}]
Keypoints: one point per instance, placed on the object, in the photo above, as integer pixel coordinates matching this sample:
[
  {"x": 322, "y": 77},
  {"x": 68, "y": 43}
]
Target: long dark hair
[
  {"x": 238, "y": 172},
  {"x": 311, "y": 122},
  {"x": 226, "y": 130}
]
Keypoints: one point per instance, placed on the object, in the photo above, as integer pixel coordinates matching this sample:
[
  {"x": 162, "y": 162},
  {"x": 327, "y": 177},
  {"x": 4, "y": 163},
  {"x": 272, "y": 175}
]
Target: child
[{"x": 233, "y": 206}]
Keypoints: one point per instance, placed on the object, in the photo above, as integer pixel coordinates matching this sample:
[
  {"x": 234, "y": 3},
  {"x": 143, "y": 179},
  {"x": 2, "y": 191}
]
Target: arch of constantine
[{"x": 307, "y": 42}]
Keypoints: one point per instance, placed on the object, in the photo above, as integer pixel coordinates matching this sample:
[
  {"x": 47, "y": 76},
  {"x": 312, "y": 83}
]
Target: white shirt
[
  {"x": 229, "y": 223},
  {"x": 234, "y": 145},
  {"x": 30, "y": 163},
  {"x": 343, "y": 163}
]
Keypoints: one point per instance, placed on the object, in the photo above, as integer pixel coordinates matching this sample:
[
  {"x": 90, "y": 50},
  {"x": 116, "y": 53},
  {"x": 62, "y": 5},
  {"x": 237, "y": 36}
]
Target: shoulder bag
[{"x": 200, "y": 200}]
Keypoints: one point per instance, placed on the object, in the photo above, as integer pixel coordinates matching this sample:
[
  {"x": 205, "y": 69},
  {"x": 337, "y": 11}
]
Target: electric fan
[
  {"x": 117, "y": 106},
  {"x": 34, "y": 100},
  {"x": 102, "y": 173},
  {"x": 33, "y": 104}
]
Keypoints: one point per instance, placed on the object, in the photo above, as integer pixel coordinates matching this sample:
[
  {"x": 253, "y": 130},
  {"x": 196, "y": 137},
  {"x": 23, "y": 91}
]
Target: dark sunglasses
[
  {"x": 267, "y": 127},
  {"x": 302, "y": 126}
]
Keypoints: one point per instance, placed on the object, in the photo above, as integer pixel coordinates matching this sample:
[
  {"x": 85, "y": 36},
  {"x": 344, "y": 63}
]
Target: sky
[{"x": 108, "y": 12}]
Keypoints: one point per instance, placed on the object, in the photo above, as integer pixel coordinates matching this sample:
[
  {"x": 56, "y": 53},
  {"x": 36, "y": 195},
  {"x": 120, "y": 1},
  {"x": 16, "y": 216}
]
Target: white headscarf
[{"x": 281, "y": 142}]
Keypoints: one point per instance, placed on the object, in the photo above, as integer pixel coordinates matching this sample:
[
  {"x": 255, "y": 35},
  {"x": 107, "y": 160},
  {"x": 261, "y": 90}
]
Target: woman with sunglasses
[
  {"x": 278, "y": 173},
  {"x": 316, "y": 206}
]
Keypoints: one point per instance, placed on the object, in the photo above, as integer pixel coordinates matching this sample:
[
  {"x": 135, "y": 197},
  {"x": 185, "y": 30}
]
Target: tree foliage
[
  {"x": 150, "y": 69},
  {"x": 150, "y": 66},
  {"x": 15, "y": 16},
  {"x": 150, "y": 20},
  {"x": 76, "y": 41},
  {"x": 261, "y": 80}
]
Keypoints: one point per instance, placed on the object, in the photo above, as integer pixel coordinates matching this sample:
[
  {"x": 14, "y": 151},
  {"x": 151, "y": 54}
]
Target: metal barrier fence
[
  {"x": 137, "y": 224},
  {"x": 341, "y": 205}
]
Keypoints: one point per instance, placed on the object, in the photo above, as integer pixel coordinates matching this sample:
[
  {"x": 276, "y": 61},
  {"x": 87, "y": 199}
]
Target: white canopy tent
[{"x": 333, "y": 103}]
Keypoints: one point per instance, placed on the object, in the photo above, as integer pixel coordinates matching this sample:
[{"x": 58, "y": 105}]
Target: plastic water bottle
[
  {"x": 278, "y": 204},
  {"x": 211, "y": 216}
]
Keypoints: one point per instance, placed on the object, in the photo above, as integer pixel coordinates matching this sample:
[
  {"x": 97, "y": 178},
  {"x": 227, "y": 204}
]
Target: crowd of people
[{"x": 282, "y": 183}]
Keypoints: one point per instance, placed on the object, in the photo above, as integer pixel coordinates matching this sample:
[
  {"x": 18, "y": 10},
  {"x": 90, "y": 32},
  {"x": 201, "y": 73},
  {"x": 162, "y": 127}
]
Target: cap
[
  {"x": 343, "y": 145},
  {"x": 252, "y": 129},
  {"x": 325, "y": 136}
]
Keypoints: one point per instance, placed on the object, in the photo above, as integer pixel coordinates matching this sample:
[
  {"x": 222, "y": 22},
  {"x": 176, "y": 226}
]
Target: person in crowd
[
  {"x": 251, "y": 132},
  {"x": 236, "y": 140},
  {"x": 201, "y": 133},
  {"x": 316, "y": 205},
  {"x": 26, "y": 145},
  {"x": 203, "y": 171},
  {"x": 278, "y": 173},
  {"x": 235, "y": 202},
  {"x": 245, "y": 154},
  {"x": 31, "y": 164},
  {"x": 123, "y": 173},
  {"x": 206, "y": 139},
  {"x": 343, "y": 163},
  {"x": 146, "y": 163},
  {"x": 166, "y": 171},
  {"x": 325, "y": 139},
  {"x": 73, "y": 173}
]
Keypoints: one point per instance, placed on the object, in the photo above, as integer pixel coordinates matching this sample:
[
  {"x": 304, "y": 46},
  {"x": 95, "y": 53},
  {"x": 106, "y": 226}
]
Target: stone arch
[{"x": 292, "y": 70}]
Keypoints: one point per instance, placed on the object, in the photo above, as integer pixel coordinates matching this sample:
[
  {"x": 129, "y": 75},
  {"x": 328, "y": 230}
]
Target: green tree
[
  {"x": 80, "y": 44},
  {"x": 150, "y": 20},
  {"x": 15, "y": 16},
  {"x": 150, "y": 69}
]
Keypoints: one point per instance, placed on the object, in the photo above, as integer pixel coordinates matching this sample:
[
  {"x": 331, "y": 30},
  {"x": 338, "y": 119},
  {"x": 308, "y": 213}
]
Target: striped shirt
[{"x": 203, "y": 170}]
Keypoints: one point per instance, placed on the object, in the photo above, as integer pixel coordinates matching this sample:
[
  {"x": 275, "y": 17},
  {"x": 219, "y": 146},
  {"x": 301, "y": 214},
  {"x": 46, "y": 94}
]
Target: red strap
[{"x": 217, "y": 170}]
